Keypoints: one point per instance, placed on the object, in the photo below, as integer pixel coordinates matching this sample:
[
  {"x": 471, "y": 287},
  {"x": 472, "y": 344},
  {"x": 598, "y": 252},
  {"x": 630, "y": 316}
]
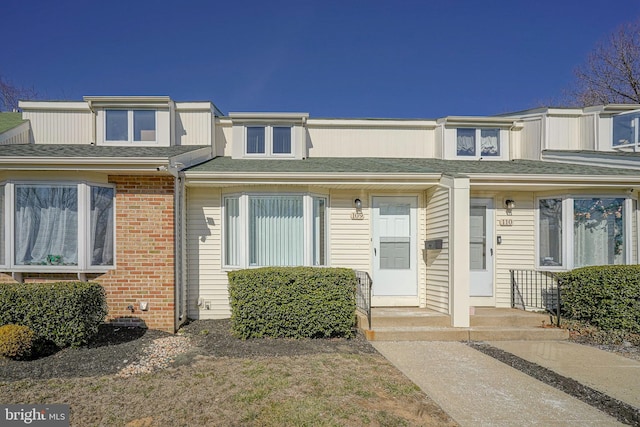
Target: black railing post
[{"x": 558, "y": 283}]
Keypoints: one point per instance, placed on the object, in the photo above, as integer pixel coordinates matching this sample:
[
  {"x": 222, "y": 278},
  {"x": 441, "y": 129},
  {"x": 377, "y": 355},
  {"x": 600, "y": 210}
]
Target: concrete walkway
[
  {"x": 477, "y": 390},
  {"x": 609, "y": 373}
]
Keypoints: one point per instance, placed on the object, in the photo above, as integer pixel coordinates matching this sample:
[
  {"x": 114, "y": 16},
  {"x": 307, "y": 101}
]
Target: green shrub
[
  {"x": 605, "y": 296},
  {"x": 64, "y": 313},
  {"x": 16, "y": 341},
  {"x": 292, "y": 302}
]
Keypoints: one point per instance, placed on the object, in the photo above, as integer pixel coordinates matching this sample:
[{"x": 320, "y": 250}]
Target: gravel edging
[{"x": 622, "y": 411}]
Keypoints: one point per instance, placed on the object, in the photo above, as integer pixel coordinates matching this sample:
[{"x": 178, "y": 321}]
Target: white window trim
[
  {"x": 635, "y": 143},
  {"x": 243, "y": 207},
  {"x": 84, "y": 230},
  {"x": 268, "y": 140},
  {"x": 567, "y": 228},
  {"x": 130, "y": 128},
  {"x": 478, "y": 148}
]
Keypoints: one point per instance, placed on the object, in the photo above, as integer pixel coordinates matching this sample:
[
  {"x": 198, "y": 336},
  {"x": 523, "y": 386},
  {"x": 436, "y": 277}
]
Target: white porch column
[{"x": 459, "y": 251}]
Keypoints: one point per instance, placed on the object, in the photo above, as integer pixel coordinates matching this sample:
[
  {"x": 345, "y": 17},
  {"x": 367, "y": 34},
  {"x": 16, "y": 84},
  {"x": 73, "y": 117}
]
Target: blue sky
[{"x": 405, "y": 59}]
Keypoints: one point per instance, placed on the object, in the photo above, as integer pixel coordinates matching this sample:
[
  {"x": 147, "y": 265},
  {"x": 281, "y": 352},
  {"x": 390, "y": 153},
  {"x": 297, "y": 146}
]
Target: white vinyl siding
[
  {"x": 517, "y": 250},
  {"x": 350, "y": 239},
  {"x": 437, "y": 261},
  {"x": 60, "y": 127},
  {"x": 206, "y": 280},
  {"x": 340, "y": 141},
  {"x": 193, "y": 127}
]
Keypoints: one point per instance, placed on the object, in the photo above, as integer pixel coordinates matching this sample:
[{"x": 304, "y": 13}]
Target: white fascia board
[
  {"x": 468, "y": 121},
  {"x": 154, "y": 166},
  {"x": 194, "y": 106},
  {"x": 620, "y": 108},
  {"x": 373, "y": 123},
  {"x": 268, "y": 117},
  {"x": 54, "y": 105},
  {"x": 128, "y": 101}
]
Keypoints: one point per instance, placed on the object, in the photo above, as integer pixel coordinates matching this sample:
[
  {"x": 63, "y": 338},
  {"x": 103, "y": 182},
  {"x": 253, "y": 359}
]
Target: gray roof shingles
[
  {"x": 92, "y": 151},
  {"x": 347, "y": 165}
]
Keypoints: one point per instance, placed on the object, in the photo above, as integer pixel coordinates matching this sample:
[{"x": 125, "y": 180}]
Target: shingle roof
[
  {"x": 9, "y": 121},
  {"x": 630, "y": 154},
  {"x": 349, "y": 165},
  {"x": 93, "y": 151}
]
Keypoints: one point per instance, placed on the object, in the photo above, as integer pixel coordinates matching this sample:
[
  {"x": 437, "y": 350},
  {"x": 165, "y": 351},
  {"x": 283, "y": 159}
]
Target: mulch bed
[{"x": 114, "y": 348}]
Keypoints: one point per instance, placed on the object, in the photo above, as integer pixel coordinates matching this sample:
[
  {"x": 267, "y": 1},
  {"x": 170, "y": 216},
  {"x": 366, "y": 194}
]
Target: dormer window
[
  {"x": 626, "y": 129},
  {"x": 477, "y": 142},
  {"x": 268, "y": 140},
  {"x": 130, "y": 126}
]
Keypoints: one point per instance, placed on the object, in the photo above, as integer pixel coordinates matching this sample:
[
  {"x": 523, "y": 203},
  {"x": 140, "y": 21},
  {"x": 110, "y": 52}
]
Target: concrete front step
[{"x": 423, "y": 333}]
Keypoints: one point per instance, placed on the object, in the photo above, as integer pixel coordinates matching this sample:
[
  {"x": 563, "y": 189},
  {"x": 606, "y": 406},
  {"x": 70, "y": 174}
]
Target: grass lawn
[{"x": 331, "y": 389}]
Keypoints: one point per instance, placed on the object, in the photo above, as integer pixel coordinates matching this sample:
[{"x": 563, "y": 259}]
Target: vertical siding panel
[
  {"x": 531, "y": 139},
  {"x": 60, "y": 127},
  {"x": 437, "y": 261},
  {"x": 192, "y": 127}
]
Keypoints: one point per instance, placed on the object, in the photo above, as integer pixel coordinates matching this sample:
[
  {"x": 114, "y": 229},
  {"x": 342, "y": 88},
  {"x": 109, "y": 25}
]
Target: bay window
[
  {"x": 582, "y": 231},
  {"x": 57, "y": 227},
  {"x": 274, "y": 230}
]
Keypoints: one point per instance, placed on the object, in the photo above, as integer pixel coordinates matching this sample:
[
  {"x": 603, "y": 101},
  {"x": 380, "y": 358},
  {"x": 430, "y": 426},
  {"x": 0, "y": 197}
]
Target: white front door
[
  {"x": 481, "y": 247},
  {"x": 394, "y": 251}
]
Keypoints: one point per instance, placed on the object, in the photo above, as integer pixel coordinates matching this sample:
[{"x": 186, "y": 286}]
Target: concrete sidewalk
[
  {"x": 609, "y": 373},
  {"x": 475, "y": 389}
]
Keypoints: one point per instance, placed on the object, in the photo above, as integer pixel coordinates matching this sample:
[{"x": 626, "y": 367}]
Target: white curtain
[
  {"x": 102, "y": 225},
  {"x": 466, "y": 142},
  {"x": 276, "y": 231},
  {"x": 598, "y": 232},
  {"x": 232, "y": 231},
  {"x": 46, "y": 225},
  {"x": 489, "y": 142}
]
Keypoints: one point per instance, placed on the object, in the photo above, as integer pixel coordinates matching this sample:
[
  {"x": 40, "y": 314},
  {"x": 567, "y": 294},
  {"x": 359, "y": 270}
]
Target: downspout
[
  {"x": 94, "y": 117},
  {"x": 181, "y": 289}
]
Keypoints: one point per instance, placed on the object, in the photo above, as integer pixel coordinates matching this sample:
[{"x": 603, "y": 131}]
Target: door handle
[
  {"x": 375, "y": 252},
  {"x": 491, "y": 251}
]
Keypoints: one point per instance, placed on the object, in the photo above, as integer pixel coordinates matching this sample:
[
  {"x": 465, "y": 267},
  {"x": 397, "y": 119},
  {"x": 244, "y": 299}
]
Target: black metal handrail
[
  {"x": 534, "y": 289},
  {"x": 363, "y": 293}
]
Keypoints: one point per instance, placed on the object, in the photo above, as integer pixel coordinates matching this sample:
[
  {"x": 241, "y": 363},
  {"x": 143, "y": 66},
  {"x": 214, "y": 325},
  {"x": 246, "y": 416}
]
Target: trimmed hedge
[
  {"x": 65, "y": 313},
  {"x": 604, "y": 296},
  {"x": 292, "y": 302}
]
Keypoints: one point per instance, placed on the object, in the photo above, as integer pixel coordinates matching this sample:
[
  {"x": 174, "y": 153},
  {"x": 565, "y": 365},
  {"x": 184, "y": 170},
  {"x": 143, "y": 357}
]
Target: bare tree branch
[
  {"x": 10, "y": 94},
  {"x": 611, "y": 73}
]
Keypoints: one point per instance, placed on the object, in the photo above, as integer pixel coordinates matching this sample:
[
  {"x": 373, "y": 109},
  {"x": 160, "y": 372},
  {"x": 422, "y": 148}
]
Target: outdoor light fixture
[
  {"x": 509, "y": 204},
  {"x": 358, "y": 204}
]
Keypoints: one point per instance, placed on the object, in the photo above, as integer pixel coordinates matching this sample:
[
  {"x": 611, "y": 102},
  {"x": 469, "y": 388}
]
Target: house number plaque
[
  {"x": 505, "y": 222},
  {"x": 357, "y": 215}
]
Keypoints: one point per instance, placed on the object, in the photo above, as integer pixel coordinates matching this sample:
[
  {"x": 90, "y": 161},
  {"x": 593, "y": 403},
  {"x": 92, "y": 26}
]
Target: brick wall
[{"x": 144, "y": 254}]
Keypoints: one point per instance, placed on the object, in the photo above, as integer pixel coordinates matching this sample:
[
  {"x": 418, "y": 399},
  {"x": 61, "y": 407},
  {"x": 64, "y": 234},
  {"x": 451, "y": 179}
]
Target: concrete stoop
[{"x": 487, "y": 324}]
